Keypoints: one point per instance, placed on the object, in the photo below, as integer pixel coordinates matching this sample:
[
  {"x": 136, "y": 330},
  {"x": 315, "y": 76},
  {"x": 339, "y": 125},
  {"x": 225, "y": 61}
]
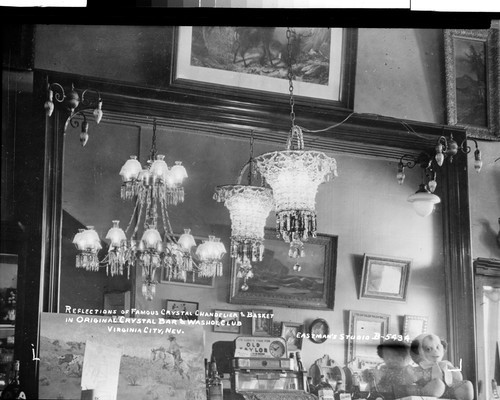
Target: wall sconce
[
  {"x": 424, "y": 199},
  {"x": 449, "y": 148},
  {"x": 75, "y": 104}
]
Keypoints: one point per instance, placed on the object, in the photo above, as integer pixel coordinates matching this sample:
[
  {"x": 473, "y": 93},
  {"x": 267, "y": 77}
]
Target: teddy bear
[
  {"x": 395, "y": 375},
  {"x": 434, "y": 376}
]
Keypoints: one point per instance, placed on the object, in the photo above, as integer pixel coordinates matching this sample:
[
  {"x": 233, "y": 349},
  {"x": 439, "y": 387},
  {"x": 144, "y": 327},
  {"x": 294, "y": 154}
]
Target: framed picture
[
  {"x": 384, "y": 278},
  {"x": 180, "y": 309},
  {"x": 366, "y": 331},
  {"x": 227, "y": 321},
  {"x": 472, "y": 81},
  {"x": 262, "y": 322},
  {"x": 291, "y": 332},
  {"x": 414, "y": 325},
  {"x": 253, "y": 60},
  {"x": 276, "y": 283},
  {"x": 319, "y": 331},
  {"x": 191, "y": 278},
  {"x": 118, "y": 301}
]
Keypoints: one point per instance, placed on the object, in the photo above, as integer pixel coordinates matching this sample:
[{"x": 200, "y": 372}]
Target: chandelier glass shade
[
  {"x": 423, "y": 201},
  {"x": 294, "y": 176},
  {"x": 88, "y": 244},
  {"x": 156, "y": 179},
  {"x": 210, "y": 253}
]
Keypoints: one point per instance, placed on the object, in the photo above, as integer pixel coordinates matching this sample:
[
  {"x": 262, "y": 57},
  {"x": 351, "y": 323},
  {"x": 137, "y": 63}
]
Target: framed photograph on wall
[
  {"x": 262, "y": 322},
  {"x": 472, "y": 81},
  {"x": 180, "y": 309},
  {"x": 414, "y": 325},
  {"x": 366, "y": 331},
  {"x": 227, "y": 321},
  {"x": 292, "y": 333},
  {"x": 384, "y": 278},
  {"x": 249, "y": 60},
  {"x": 276, "y": 283}
]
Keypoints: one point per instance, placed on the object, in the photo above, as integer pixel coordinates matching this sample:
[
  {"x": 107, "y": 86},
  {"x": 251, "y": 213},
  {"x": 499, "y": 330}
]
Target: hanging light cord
[{"x": 153, "y": 141}]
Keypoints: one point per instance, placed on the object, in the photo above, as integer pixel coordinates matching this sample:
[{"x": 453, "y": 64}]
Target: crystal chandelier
[
  {"x": 248, "y": 207},
  {"x": 294, "y": 175},
  {"x": 152, "y": 188}
]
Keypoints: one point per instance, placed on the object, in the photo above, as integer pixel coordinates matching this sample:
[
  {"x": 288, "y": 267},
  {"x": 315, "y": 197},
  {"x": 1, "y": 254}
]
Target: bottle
[
  {"x": 293, "y": 364},
  {"x": 300, "y": 366},
  {"x": 340, "y": 393},
  {"x": 325, "y": 391},
  {"x": 356, "y": 392},
  {"x": 13, "y": 389},
  {"x": 310, "y": 386},
  {"x": 374, "y": 394},
  {"x": 214, "y": 382}
]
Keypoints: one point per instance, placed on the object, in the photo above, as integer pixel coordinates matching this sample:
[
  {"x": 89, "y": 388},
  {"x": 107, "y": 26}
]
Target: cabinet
[{"x": 8, "y": 302}]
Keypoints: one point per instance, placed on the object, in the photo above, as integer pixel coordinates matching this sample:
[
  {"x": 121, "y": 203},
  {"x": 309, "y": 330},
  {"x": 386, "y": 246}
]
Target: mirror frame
[{"x": 362, "y": 134}]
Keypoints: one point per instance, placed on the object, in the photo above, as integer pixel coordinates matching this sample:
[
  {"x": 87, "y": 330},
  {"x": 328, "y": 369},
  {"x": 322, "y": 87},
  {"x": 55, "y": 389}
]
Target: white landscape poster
[{"x": 159, "y": 359}]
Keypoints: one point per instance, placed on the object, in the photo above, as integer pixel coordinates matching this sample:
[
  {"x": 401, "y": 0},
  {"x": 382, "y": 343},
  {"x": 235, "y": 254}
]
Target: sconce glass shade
[
  {"x": 294, "y": 176},
  {"x": 248, "y": 208},
  {"x": 423, "y": 201}
]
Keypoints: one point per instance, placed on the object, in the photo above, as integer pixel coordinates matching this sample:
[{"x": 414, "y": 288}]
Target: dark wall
[{"x": 136, "y": 54}]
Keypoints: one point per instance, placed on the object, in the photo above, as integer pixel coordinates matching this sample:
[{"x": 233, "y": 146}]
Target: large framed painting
[
  {"x": 250, "y": 61},
  {"x": 472, "y": 81},
  {"x": 275, "y": 282}
]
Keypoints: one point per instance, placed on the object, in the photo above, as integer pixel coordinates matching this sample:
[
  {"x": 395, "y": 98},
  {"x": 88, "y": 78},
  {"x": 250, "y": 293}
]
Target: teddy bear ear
[{"x": 444, "y": 343}]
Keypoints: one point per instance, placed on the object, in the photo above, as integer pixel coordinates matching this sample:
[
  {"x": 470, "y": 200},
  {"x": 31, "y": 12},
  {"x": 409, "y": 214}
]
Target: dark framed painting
[
  {"x": 472, "y": 81},
  {"x": 191, "y": 278},
  {"x": 180, "y": 309},
  {"x": 276, "y": 283},
  {"x": 385, "y": 278},
  {"x": 227, "y": 321},
  {"x": 252, "y": 60},
  {"x": 366, "y": 331}
]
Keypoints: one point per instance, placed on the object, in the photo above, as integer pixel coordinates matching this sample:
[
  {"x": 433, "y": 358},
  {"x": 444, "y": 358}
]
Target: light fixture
[
  {"x": 449, "y": 148},
  {"x": 248, "y": 206},
  {"x": 152, "y": 188},
  {"x": 210, "y": 253},
  {"x": 294, "y": 175},
  {"x": 424, "y": 199},
  {"x": 74, "y": 103}
]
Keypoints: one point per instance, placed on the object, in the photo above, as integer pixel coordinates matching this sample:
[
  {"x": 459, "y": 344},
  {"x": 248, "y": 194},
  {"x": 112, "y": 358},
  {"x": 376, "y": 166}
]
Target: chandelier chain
[
  {"x": 290, "y": 74},
  {"x": 153, "y": 141},
  {"x": 250, "y": 167}
]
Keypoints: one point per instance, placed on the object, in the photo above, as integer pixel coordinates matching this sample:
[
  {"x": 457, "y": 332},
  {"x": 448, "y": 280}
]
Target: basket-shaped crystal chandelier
[
  {"x": 294, "y": 175},
  {"x": 248, "y": 207}
]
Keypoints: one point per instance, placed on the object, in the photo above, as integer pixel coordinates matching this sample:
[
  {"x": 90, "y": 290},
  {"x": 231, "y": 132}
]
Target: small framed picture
[
  {"x": 262, "y": 322},
  {"x": 385, "y": 278},
  {"x": 292, "y": 333},
  {"x": 414, "y": 325},
  {"x": 180, "y": 309},
  {"x": 227, "y": 321}
]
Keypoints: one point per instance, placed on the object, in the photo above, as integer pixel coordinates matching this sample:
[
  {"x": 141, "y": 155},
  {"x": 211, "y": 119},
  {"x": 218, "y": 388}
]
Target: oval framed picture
[{"x": 318, "y": 330}]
